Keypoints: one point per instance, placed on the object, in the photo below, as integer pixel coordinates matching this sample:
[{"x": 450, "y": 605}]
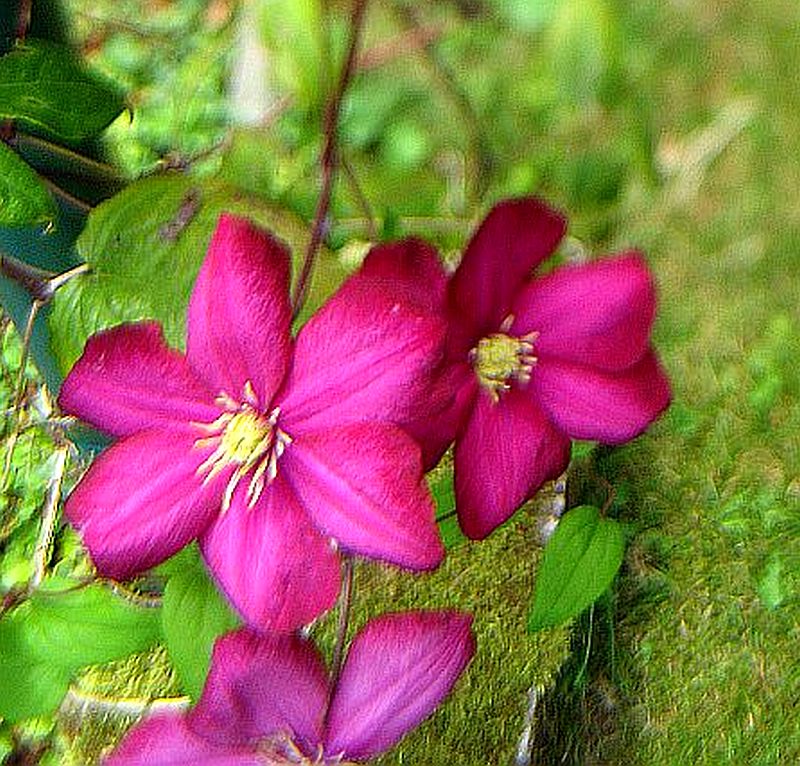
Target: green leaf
[
  {"x": 145, "y": 247},
  {"x": 770, "y": 587},
  {"x": 578, "y": 564},
  {"x": 302, "y": 67},
  {"x": 45, "y": 87},
  {"x": 440, "y": 483},
  {"x": 54, "y": 634},
  {"x": 194, "y": 614},
  {"x": 24, "y": 199}
]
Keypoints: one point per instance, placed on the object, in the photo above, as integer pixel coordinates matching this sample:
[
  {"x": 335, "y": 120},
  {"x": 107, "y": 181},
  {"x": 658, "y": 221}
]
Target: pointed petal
[
  {"x": 239, "y": 314},
  {"x": 362, "y": 485},
  {"x": 128, "y": 380},
  {"x": 512, "y": 241},
  {"x": 259, "y": 686},
  {"x": 365, "y": 355},
  {"x": 164, "y": 739},
  {"x": 586, "y": 403},
  {"x": 276, "y": 569},
  {"x": 506, "y": 452},
  {"x": 436, "y": 432},
  {"x": 142, "y": 501},
  {"x": 399, "y": 668},
  {"x": 411, "y": 270},
  {"x": 597, "y": 314}
]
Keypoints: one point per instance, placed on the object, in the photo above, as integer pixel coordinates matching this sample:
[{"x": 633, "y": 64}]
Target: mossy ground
[{"x": 707, "y": 615}]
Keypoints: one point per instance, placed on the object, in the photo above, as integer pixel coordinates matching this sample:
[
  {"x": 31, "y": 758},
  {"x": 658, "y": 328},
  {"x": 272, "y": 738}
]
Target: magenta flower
[
  {"x": 272, "y": 452},
  {"x": 531, "y": 361},
  {"x": 266, "y": 697}
]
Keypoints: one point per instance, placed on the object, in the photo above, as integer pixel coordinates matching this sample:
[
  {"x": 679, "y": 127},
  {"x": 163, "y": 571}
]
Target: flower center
[
  {"x": 280, "y": 750},
  {"x": 500, "y": 358},
  {"x": 246, "y": 438}
]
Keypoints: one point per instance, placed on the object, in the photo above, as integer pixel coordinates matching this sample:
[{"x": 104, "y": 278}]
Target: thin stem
[
  {"x": 329, "y": 157},
  {"x": 80, "y": 703},
  {"x": 23, "y": 19},
  {"x": 41, "y": 284},
  {"x": 409, "y": 17},
  {"x": 361, "y": 199},
  {"x": 343, "y": 621},
  {"x": 49, "y": 516},
  {"x": 19, "y": 393}
]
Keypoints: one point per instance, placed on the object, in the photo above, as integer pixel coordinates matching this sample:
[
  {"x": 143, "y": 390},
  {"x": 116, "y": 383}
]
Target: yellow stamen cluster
[
  {"x": 281, "y": 749},
  {"x": 500, "y": 358},
  {"x": 244, "y": 437}
]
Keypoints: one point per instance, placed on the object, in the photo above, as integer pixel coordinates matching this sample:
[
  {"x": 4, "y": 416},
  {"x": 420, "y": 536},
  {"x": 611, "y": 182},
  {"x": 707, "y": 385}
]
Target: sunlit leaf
[
  {"x": 194, "y": 614},
  {"x": 46, "y": 640},
  {"x": 578, "y": 564},
  {"x": 45, "y": 87},
  {"x": 24, "y": 199},
  {"x": 145, "y": 247}
]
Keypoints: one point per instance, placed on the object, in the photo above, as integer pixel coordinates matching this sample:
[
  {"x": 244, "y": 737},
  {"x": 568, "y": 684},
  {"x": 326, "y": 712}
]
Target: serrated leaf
[
  {"x": 578, "y": 564},
  {"x": 24, "y": 199},
  {"x": 194, "y": 614},
  {"x": 46, "y": 640},
  {"x": 45, "y": 87},
  {"x": 145, "y": 247}
]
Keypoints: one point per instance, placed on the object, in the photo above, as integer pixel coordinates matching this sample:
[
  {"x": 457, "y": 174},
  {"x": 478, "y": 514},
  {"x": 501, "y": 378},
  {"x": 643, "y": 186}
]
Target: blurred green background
[{"x": 670, "y": 126}]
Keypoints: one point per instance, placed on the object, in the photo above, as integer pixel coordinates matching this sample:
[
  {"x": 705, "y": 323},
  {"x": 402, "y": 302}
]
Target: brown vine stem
[
  {"x": 329, "y": 158},
  {"x": 23, "y": 19},
  {"x": 342, "y": 623}
]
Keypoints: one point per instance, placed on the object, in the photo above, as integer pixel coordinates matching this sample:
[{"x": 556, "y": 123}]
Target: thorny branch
[{"x": 329, "y": 159}]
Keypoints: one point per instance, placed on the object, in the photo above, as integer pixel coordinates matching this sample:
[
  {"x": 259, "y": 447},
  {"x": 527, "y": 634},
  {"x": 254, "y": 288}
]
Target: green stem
[{"x": 342, "y": 624}]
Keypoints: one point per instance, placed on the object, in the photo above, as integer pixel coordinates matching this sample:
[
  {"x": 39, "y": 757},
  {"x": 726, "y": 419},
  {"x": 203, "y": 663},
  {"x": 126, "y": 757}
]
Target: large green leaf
[
  {"x": 194, "y": 614},
  {"x": 145, "y": 247},
  {"x": 578, "y": 564},
  {"x": 24, "y": 199},
  {"x": 45, "y": 87},
  {"x": 46, "y": 640}
]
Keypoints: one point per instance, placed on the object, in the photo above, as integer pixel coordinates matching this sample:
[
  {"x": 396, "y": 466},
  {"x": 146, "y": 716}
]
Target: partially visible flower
[
  {"x": 266, "y": 697},
  {"x": 265, "y": 448},
  {"x": 532, "y": 362}
]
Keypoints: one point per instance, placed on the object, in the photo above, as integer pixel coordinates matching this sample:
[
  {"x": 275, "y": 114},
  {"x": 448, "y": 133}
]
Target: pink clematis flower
[
  {"x": 265, "y": 448},
  {"x": 266, "y": 697},
  {"x": 531, "y": 361}
]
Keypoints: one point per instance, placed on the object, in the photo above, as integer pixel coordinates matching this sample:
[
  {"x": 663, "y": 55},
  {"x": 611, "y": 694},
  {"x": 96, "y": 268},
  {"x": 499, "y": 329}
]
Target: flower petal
[
  {"x": 597, "y": 314},
  {"x": 515, "y": 237},
  {"x": 365, "y": 355},
  {"x": 411, "y": 270},
  {"x": 260, "y": 686},
  {"x": 142, "y": 501},
  {"x": 276, "y": 569},
  {"x": 436, "y": 432},
  {"x": 129, "y": 380},
  {"x": 238, "y": 325},
  {"x": 399, "y": 668},
  {"x": 586, "y": 403},
  {"x": 362, "y": 484},
  {"x": 507, "y": 451},
  {"x": 164, "y": 739}
]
